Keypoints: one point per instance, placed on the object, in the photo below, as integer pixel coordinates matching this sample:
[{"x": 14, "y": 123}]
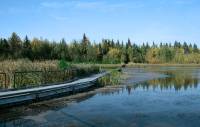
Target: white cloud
[
  {"x": 88, "y": 5},
  {"x": 92, "y": 5},
  {"x": 106, "y": 6},
  {"x": 55, "y": 5}
]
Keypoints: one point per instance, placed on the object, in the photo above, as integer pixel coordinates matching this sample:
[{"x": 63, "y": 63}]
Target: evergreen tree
[
  {"x": 4, "y": 48},
  {"x": 27, "y": 51},
  {"x": 99, "y": 54},
  {"x": 15, "y": 45},
  {"x": 85, "y": 43},
  {"x": 186, "y": 48},
  {"x": 129, "y": 43},
  {"x": 195, "y": 48}
]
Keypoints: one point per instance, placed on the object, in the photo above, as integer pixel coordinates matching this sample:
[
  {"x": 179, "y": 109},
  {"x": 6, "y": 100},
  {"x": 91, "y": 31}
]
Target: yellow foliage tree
[
  {"x": 152, "y": 56},
  {"x": 113, "y": 56}
]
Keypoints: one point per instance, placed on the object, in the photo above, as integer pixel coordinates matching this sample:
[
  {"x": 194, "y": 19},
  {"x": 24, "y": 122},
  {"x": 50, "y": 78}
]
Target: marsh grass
[
  {"x": 25, "y": 73},
  {"x": 113, "y": 78}
]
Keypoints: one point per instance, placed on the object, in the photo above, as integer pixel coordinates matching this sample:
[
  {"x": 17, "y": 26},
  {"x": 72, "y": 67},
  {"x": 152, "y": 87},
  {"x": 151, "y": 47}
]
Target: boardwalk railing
[
  {"x": 3, "y": 80},
  {"x": 37, "y": 78},
  {"x": 24, "y": 79},
  {"x": 11, "y": 98},
  {"x": 21, "y": 79}
]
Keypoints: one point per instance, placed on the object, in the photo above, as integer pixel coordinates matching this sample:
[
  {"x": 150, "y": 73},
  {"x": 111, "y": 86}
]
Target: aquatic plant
[
  {"x": 112, "y": 78},
  {"x": 63, "y": 64}
]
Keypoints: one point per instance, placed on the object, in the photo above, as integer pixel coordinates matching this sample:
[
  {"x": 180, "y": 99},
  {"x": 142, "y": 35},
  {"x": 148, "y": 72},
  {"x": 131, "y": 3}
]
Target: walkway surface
[{"x": 12, "y": 97}]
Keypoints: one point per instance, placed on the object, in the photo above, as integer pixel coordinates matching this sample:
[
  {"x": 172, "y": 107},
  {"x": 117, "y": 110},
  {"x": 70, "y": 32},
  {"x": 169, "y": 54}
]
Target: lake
[{"x": 147, "y": 97}]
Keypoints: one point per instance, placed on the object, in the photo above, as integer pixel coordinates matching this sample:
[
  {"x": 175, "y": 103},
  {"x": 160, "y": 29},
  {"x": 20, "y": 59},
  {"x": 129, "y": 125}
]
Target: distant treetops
[{"x": 106, "y": 51}]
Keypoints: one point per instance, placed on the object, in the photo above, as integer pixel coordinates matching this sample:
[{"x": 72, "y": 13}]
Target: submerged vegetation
[{"x": 107, "y": 51}]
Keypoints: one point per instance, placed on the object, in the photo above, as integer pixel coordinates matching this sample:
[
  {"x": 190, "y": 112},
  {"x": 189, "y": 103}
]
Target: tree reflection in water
[{"x": 177, "y": 80}]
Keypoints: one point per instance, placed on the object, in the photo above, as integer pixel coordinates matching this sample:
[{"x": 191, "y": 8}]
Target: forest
[{"x": 107, "y": 51}]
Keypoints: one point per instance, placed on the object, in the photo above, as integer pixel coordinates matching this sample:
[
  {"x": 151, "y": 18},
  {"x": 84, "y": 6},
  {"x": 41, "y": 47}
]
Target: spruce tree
[
  {"x": 15, "y": 45},
  {"x": 27, "y": 51}
]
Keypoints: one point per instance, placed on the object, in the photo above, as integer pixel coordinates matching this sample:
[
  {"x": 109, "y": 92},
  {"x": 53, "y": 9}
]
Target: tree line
[{"x": 106, "y": 51}]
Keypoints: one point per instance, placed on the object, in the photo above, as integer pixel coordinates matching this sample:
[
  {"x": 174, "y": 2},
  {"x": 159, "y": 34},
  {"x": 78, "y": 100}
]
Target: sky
[{"x": 139, "y": 20}]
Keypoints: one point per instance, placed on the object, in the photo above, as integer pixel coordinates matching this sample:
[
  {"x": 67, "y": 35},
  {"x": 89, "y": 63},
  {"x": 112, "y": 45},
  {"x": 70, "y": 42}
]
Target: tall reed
[{"x": 25, "y": 73}]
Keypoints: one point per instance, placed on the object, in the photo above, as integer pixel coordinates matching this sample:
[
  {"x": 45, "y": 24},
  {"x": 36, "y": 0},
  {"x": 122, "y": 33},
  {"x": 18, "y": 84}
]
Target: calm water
[{"x": 168, "y": 100}]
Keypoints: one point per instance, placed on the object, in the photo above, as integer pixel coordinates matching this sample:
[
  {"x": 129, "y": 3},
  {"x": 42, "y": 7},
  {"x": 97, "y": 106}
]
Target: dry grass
[
  {"x": 46, "y": 73},
  {"x": 9, "y": 66}
]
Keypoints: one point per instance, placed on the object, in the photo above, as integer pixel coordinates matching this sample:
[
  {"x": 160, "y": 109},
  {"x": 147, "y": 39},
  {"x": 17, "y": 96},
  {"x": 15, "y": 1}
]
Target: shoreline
[
  {"x": 140, "y": 65},
  {"x": 165, "y": 64}
]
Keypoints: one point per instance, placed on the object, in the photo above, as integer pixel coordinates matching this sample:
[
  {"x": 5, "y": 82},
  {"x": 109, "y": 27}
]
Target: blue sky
[{"x": 139, "y": 20}]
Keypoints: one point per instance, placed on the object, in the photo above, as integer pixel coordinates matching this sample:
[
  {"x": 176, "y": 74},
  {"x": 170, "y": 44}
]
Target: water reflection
[
  {"x": 14, "y": 116},
  {"x": 177, "y": 80}
]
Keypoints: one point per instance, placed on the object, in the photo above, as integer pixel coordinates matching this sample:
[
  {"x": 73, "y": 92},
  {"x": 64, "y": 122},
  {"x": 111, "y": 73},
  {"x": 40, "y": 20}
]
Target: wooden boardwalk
[{"x": 11, "y": 98}]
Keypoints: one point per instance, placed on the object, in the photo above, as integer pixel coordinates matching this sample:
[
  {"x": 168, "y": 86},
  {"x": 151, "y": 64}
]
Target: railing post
[
  {"x": 45, "y": 76},
  {"x": 5, "y": 79},
  {"x": 14, "y": 79},
  {"x": 21, "y": 80}
]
